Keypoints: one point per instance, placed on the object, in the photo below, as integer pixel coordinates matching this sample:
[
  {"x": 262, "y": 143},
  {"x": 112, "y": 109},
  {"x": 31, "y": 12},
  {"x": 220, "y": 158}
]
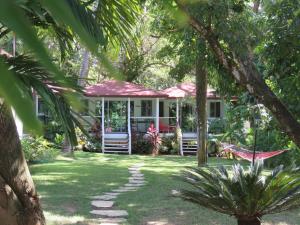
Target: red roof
[
  {"x": 113, "y": 88},
  {"x": 187, "y": 90}
]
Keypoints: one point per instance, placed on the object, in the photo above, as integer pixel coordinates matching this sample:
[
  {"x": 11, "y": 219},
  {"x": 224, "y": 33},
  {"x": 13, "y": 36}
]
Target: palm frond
[
  {"x": 243, "y": 193},
  {"x": 32, "y": 76}
]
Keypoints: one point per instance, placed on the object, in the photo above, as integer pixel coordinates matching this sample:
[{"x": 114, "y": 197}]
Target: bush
[
  {"x": 141, "y": 146},
  {"x": 292, "y": 156},
  {"x": 246, "y": 194},
  {"x": 38, "y": 149},
  {"x": 92, "y": 144},
  {"x": 51, "y": 129},
  {"x": 169, "y": 146},
  {"x": 216, "y": 126}
]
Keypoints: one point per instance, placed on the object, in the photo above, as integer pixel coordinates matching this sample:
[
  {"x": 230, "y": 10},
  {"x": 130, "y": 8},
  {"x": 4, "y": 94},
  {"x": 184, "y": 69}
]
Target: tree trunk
[
  {"x": 256, "y": 4},
  {"x": 67, "y": 147},
  {"x": 253, "y": 221},
  {"x": 247, "y": 75},
  {"x": 201, "y": 88},
  {"x": 84, "y": 70},
  {"x": 15, "y": 173}
]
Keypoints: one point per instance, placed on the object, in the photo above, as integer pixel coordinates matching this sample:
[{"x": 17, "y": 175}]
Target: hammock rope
[{"x": 248, "y": 155}]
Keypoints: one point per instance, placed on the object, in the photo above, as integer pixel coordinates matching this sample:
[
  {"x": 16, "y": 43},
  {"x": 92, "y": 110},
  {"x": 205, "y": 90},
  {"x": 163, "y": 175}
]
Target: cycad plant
[{"x": 245, "y": 194}]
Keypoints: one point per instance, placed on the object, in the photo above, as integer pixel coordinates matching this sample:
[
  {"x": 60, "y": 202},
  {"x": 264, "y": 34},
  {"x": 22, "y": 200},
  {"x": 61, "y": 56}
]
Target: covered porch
[{"x": 119, "y": 109}]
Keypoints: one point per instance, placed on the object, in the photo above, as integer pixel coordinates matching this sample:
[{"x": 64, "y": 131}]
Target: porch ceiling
[{"x": 113, "y": 88}]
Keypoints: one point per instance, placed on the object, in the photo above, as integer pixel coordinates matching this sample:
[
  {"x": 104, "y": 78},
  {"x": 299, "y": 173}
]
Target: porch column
[
  {"x": 157, "y": 115},
  {"x": 36, "y": 98},
  {"x": 102, "y": 124},
  {"x": 129, "y": 126},
  {"x": 177, "y": 112}
]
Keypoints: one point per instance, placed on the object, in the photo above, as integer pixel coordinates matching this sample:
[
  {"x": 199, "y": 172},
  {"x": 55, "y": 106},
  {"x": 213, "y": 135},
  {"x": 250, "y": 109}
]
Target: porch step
[
  {"x": 189, "y": 145},
  {"x": 116, "y": 151},
  {"x": 116, "y": 144},
  {"x": 117, "y": 147}
]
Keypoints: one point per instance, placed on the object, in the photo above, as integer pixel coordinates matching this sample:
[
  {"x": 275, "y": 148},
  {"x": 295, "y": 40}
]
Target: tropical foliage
[
  {"x": 66, "y": 21},
  {"x": 38, "y": 149},
  {"x": 244, "y": 194}
]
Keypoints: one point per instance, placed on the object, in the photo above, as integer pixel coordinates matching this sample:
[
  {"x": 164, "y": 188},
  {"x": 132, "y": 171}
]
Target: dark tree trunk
[
  {"x": 256, "y": 4},
  {"x": 201, "y": 88},
  {"x": 15, "y": 174},
  {"x": 253, "y": 221},
  {"x": 246, "y": 74}
]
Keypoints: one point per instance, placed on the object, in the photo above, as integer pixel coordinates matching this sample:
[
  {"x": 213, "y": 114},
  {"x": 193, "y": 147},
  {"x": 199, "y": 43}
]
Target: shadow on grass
[{"x": 66, "y": 187}]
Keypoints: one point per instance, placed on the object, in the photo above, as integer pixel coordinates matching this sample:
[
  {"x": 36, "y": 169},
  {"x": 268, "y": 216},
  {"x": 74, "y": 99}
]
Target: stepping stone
[
  {"x": 110, "y": 213},
  {"x": 111, "y": 193},
  {"x": 105, "y": 197},
  {"x": 112, "y": 220},
  {"x": 110, "y": 224},
  {"x": 133, "y": 185},
  {"x": 175, "y": 193},
  {"x": 137, "y": 175},
  {"x": 123, "y": 189},
  {"x": 137, "y": 181},
  {"x": 136, "y": 178},
  {"x": 139, "y": 164},
  {"x": 102, "y": 204},
  {"x": 134, "y": 172},
  {"x": 132, "y": 188}
]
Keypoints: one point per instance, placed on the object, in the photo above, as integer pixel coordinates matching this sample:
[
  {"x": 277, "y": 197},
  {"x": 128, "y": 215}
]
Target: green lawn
[{"x": 66, "y": 186}]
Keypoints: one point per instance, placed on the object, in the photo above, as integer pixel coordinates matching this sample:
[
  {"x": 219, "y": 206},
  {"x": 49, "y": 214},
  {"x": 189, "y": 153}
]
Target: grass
[{"x": 66, "y": 187}]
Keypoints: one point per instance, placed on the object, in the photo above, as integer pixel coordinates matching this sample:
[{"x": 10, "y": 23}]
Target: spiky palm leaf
[
  {"x": 33, "y": 76},
  {"x": 69, "y": 20},
  {"x": 244, "y": 194}
]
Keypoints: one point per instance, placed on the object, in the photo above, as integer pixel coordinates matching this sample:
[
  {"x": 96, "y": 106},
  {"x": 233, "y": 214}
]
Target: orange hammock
[{"x": 248, "y": 155}]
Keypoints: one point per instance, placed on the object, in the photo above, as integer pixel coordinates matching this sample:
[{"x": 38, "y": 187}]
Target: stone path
[{"x": 103, "y": 205}]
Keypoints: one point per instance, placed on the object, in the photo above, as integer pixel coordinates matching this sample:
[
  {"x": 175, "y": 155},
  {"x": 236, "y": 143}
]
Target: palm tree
[
  {"x": 246, "y": 195},
  {"x": 68, "y": 20}
]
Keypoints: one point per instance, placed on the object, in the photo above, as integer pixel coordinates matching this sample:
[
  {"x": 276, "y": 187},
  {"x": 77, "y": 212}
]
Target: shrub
[
  {"x": 247, "y": 195},
  {"x": 92, "y": 144},
  {"x": 216, "y": 126},
  {"x": 38, "y": 149},
  {"x": 167, "y": 144},
  {"x": 141, "y": 146},
  {"x": 51, "y": 129}
]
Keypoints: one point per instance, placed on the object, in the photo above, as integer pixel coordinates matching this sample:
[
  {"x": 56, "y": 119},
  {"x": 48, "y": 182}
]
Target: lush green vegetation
[{"x": 66, "y": 187}]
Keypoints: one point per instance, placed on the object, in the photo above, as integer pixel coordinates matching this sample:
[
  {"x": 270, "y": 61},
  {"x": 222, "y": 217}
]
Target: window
[
  {"x": 43, "y": 112},
  {"x": 146, "y": 108},
  {"x": 215, "y": 109},
  {"x": 41, "y": 107},
  {"x": 161, "y": 109},
  {"x": 131, "y": 108}
]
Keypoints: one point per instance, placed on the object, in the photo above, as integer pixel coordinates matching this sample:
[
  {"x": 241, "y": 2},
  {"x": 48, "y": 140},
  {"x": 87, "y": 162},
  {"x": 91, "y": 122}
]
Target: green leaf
[
  {"x": 63, "y": 13},
  {"x": 15, "y": 19},
  {"x": 12, "y": 91}
]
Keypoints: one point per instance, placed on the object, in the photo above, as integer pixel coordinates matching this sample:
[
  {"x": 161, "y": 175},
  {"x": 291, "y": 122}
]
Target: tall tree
[
  {"x": 201, "y": 90},
  {"x": 241, "y": 66}
]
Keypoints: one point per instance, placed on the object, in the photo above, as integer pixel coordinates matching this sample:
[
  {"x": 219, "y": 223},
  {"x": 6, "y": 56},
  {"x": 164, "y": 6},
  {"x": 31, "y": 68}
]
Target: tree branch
[{"x": 245, "y": 72}]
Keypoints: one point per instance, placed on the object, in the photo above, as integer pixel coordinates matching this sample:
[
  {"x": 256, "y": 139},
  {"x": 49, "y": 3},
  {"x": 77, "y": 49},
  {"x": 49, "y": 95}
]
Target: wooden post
[
  {"x": 102, "y": 124},
  {"x": 36, "y": 104},
  {"x": 157, "y": 115},
  {"x": 177, "y": 112},
  {"x": 129, "y": 126}
]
